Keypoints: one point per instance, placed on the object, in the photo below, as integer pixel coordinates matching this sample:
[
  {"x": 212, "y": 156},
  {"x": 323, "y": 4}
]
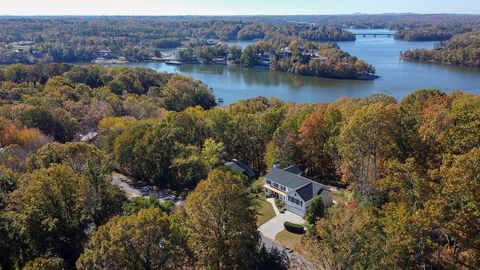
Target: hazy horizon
[{"x": 230, "y": 8}]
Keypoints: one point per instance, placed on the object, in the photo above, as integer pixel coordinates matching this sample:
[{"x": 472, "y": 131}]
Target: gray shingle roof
[
  {"x": 293, "y": 169},
  {"x": 240, "y": 166},
  {"x": 305, "y": 187},
  {"x": 290, "y": 180}
]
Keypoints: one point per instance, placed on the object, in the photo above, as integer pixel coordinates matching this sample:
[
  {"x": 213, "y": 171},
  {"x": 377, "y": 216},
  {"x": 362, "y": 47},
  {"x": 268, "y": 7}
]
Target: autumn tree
[
  {"x": 465, "y": 116},
  {"x": 314, "y": 135},
  {"x": 74, "y": 154},
  {"x": 349, "y": 237},
  {"x": 145, "y": 240},
  {"x": 456, "y": 208},
  {"x": 411, "y": 112},
  {"x": 406, "y": 190},
  {"x": 221, "y": 222},
  {"x": 8, "y": 183},
  {"x": 41, "y": 263},
  {"x": 55, "y": 211},
  {"x": 366, "y": 141}
]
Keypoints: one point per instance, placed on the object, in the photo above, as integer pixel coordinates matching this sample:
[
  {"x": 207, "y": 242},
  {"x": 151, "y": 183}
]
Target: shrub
[
  {"x": 257, "y": 186},
  {"x": 293, "y": 227},
  {"x": 280, "y": 205},
  {"x": 315, "y": 210}
]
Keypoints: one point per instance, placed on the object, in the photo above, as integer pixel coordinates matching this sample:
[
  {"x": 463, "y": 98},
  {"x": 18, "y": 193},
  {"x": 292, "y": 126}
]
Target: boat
[{"x": 173, "y": 63}]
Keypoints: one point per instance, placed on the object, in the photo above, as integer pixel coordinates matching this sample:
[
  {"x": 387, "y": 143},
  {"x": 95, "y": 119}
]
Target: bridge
[{"x": 375, "y": 34}]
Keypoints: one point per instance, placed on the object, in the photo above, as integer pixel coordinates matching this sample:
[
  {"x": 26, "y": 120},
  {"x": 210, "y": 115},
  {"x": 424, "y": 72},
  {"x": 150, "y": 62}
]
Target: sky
[{"x": 233, "y": 7}]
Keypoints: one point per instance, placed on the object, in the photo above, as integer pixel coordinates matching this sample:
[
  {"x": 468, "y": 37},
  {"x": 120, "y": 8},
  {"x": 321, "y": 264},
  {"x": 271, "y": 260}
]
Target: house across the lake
[{"x": 295, "y": 190}]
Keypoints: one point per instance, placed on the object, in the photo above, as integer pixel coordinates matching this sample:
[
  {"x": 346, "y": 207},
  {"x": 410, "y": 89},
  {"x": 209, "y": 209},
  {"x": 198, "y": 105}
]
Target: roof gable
[
  {"x": 293, "y": 169},
  {"x": 240, "y": 166},
  {"x": 306, "y": 188}
]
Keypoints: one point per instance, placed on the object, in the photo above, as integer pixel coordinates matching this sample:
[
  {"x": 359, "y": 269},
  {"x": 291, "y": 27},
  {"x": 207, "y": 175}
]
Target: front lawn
[
  {"x": 288, "y": 239},
  {"x": 265, "y": 210}
]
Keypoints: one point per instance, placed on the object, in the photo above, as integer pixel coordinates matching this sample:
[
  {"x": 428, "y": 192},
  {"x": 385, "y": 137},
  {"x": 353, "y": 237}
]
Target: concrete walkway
[
  {"x": 275, "y": 225},
  {"x": 272, "y": 202}
]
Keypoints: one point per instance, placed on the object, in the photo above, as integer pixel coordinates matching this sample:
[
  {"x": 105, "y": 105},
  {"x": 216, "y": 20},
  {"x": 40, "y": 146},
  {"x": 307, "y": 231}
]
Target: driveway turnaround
[{"x": 275, "y": 225}]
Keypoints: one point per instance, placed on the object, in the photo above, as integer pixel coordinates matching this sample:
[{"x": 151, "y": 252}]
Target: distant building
[
  {"x": 90, "y": 137},
  {"x": 295, "y": 190},
  {"x": 286, "y": 52},
  {"x": 243, "y": 168}
]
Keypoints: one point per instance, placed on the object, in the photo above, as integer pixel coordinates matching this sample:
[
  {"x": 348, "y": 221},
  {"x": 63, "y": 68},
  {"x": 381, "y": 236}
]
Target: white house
[{"x": 295, "y": 190}]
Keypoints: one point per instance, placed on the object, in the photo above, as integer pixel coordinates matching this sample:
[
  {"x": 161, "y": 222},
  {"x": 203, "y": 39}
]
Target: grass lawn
[
  {"x": 288, "y": 239},
  {"x": 265, "y": 211}
]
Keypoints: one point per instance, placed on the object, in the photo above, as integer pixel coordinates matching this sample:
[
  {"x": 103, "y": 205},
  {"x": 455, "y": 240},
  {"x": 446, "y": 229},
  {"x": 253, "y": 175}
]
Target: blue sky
[{"x": 232, "y": 7}]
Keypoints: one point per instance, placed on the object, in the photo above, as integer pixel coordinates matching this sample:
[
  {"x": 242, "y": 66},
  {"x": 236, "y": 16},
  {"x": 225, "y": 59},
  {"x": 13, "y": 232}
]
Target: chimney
[{"x": 277, "y": 165}]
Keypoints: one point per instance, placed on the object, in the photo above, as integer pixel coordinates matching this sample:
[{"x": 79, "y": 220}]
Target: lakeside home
[{"x": 295, "y": 190}]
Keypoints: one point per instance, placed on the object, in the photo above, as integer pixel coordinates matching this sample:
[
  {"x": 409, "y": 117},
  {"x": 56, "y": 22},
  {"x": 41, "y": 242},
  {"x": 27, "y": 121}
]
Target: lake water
[{"x": 398, "y": 77}]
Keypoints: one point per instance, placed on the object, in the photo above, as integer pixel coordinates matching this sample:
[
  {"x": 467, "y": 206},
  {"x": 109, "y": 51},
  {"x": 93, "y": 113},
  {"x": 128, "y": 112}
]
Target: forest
[
  {"x": 410, "y": 167},
  {"x": 409, "y": 27},
  {"x": 462, "y": 49},
  {"x": 83, "y": 39}
]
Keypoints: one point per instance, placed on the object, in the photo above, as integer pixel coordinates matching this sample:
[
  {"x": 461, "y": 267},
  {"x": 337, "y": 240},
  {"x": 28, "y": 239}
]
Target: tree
[
  {"x": 408, "y": 226},
  {"x": 145, "y": 240},
  {"x": 44, "y": 263},
  {"x": 350, "y": 237},
  {"x": 8, "y": 183},
  {"x": 456, "y": 208},
  {"x": 410, "y": 120},
  {"x": 76, "y": 155},
  {"x": 250, "y": 56},
  {"x": 314, "y": 140},
  {"x": 193, "y": 164},
  {"x": 56, "y": 123},
  {"x": 315, "y": 210},
  {"x": 181, "y": 92},
  {"x": 136, "y": 204},
  {"x": 365, "y": 142},
  {"x": 465, "y": 114},
  {"x": 272, "y": 259},
  {"x": 221, "y": 222},
  {"x": 56, "y": 207}
]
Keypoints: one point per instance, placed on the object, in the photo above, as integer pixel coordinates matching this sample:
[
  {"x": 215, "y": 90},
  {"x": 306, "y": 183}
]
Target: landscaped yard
[
  {"x": 265, "y": 211},
  {"x": 288, "y": 239}
]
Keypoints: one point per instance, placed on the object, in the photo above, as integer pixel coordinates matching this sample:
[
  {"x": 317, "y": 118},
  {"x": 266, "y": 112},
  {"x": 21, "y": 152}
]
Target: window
[
  {"x": 295, "y": 201},
  {"x": 274, "y": 184},
  {"x": 282, "y": 188},
  {"x": 269, "y": 182}
]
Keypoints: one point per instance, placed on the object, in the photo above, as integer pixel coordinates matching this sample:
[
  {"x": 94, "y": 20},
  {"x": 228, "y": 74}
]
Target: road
[
  {"x": 297, "y": 261},
  {"x": 134, "y": 189}
]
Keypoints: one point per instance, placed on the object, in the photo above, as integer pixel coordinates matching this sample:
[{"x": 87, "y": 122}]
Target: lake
[{"x": 398, "y": 77}]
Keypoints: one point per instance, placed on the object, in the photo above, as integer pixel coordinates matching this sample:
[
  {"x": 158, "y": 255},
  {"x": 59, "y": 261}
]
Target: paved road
[
  {"x": 133, "y": 189},
  {"x": 297, "y": 261}
]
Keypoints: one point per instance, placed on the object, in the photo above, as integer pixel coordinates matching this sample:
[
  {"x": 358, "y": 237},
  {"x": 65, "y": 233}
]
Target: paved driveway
[{"x": 275, "y": 225}]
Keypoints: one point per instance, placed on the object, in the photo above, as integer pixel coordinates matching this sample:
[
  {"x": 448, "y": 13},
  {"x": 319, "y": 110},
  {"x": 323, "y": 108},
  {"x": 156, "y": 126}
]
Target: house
[
  {"x": 295, "y": 190},
  {"x": 286, "y": 52},
  {"x": 90, "y": 137},
  {"x": 240, "y": 166}
]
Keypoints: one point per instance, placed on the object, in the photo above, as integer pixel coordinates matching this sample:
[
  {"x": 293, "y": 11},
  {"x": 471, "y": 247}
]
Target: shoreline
[
  {"x": 436, "y": 62},
  {"x": 364, "y": 77}
]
